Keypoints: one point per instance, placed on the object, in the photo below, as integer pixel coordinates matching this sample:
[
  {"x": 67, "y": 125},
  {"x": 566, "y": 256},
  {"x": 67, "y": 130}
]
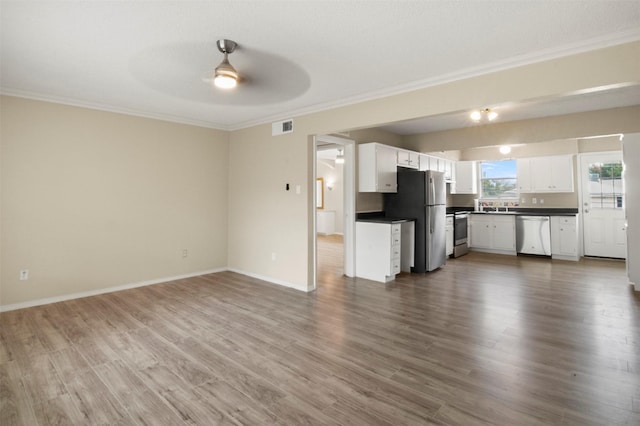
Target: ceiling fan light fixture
[
  {"x": 477, "y": 115},
  {"x": 225, "y": 76}
]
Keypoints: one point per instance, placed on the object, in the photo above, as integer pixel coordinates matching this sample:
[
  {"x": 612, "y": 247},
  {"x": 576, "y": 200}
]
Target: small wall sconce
[{"x": 330, "y": 185}]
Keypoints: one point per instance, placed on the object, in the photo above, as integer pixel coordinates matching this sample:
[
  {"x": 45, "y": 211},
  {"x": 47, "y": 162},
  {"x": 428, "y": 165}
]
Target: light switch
[{"x": 298, "y": 189}]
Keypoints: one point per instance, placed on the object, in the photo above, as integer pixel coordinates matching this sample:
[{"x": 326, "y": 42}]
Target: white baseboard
[
  {"x": 45, "y": 301},
  {"x": 271, "y": 280}
]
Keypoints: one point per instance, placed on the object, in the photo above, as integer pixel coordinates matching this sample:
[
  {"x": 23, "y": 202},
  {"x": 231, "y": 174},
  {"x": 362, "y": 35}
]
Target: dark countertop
[
  {"x": 519, "y": 210},
  {"x": 379, "y": 217},
  {"x": 388, "y": 220},
  {"x": 533, "y": 212}
]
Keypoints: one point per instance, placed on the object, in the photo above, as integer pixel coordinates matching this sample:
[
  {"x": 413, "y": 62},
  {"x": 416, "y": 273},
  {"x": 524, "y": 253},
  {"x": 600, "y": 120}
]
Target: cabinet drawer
[
  {"x": 395, "y": 229},
  {"x": 395, "y": 266},
  {"x": 568, "y": 220},
  {"x": 395, "y": 252}
]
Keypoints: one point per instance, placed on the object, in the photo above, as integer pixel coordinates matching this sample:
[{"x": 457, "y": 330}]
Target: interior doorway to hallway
[{"x": 335, "y": 208}]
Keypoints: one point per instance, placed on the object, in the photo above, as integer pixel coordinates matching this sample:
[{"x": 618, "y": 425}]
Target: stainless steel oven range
[{"x": 460, "y": 223}]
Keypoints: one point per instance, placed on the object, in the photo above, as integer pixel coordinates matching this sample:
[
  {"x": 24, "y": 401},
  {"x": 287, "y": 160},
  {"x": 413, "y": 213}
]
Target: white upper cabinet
[
  {"x": 546, "y": 174},
  {"x": 377, "y": 168},
  {"x": 425, "y": 162},
  {"x": 525, "y": 179},
  {"x": 408, "y": 159},
  {"x": 449, "y": 170},
  {"x": 466, "y": 181}
]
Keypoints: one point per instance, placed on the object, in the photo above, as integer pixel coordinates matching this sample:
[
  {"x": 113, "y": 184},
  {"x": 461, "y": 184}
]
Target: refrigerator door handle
[
  {"x": 432, "y": 191},
  {"x": 432, "y": 218}
]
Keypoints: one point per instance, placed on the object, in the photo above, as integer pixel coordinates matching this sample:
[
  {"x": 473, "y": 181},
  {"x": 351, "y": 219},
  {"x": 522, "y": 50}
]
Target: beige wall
[
  {"x": 565, "y": 129},
  {"x": 92, "y": 200}
]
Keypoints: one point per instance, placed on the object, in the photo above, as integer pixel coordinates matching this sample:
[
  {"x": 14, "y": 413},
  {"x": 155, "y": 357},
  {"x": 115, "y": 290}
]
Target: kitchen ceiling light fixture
[
  {"x": 340, "y": 157},
  {"x": 488, "y": 113},
  {"x": 505, "y": 149},
  {"x": 226, "y": 77}
]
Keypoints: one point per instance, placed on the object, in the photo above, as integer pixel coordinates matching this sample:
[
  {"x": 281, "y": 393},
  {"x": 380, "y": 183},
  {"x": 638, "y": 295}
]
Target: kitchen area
[{"x": 445, "y": 207}]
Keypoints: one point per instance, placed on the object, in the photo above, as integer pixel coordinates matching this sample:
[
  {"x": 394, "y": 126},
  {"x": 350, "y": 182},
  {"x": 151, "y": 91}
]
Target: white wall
[
  {"x": 93, "y": 200},
  {"x": 333, "y": 198},
  {"x": 631, "y": 158}
]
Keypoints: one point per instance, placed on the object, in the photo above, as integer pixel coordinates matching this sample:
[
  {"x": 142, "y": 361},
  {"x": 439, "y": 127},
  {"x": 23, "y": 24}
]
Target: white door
[{"x": 604, "y": 233}]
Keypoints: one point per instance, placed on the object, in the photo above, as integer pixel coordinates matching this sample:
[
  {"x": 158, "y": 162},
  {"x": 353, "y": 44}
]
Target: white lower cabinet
[
  {"x": 449, "y": 235},
  {"x": 493, "y": 233},
  {"x": 564, "y": 238},
  {"x": 379, "y": 249}
]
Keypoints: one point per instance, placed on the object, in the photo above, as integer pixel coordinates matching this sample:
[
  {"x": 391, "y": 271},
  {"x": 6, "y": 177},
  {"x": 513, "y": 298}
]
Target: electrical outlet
[
  {"x": 185, "y": 253},
  {"x": 24, "y": 274},
  {"x": 534, "y": 201},
  {"x": 524, "y": 200},
  {"x": 541, "y": 200},
  {"x": 273, "y": 256}
]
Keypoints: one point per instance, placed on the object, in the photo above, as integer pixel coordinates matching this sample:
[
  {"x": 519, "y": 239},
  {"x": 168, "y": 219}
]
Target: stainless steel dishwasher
[{"x": 533, "y": 235}]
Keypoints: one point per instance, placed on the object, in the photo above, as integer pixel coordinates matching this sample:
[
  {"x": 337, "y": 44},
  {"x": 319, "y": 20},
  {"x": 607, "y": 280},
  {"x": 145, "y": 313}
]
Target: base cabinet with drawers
[{"x": 381, "y": 252}]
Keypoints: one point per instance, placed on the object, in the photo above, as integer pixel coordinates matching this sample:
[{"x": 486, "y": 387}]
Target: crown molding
[
  {"x": 513, "y": 62},
  {"x": 110, "y": 108}
]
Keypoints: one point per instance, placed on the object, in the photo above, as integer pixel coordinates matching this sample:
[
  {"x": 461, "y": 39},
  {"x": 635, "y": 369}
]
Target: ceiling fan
[{"x": 225, "y": 75}]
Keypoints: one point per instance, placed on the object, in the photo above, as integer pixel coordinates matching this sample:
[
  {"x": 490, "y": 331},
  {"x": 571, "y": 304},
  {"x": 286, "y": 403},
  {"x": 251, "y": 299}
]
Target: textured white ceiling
[{"x": 150, "y": 58}]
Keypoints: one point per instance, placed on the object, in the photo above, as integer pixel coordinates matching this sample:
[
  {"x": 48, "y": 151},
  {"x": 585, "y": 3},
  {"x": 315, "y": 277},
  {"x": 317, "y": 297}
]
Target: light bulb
[
  {"x": 491, "y": 115},
  {"x": 225, "y": 82},
  {"x": 505, "y": 149},
  {"x": 476, "y": 115}
]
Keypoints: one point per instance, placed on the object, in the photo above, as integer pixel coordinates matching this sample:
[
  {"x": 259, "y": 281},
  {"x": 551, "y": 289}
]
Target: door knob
[{"x": 586, "y": 210}]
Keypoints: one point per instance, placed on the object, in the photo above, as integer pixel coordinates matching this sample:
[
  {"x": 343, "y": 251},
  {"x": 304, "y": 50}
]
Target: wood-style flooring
[{"x": 485, "y": 340}]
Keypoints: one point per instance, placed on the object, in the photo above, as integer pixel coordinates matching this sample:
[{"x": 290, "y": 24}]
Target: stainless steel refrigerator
[{"x": 422, "y": 196}]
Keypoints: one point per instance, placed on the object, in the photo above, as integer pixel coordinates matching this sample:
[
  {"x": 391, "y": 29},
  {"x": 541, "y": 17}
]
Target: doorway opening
[{"x": 334, "y": 236}]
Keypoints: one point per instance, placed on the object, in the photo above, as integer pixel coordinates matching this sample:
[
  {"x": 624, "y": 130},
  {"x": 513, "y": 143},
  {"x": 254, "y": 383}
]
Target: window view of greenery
[
  {"x": 499, "y": 179},
  {"x": 605, "y": 185}
]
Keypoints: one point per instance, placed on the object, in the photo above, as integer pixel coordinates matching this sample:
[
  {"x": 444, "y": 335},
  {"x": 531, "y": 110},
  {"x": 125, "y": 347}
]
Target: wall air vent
[{"x": 281, "y": 127}]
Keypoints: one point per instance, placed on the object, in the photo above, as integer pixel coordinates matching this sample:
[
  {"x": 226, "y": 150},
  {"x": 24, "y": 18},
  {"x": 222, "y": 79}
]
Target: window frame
[{"x": 481, "y": 179}]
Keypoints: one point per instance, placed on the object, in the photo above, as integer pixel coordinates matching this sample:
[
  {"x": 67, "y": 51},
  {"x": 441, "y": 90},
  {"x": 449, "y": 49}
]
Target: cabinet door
[
  {"x": 377, "y": 168},
  {"x": 525, "y": 181},
  {"x": 564, "y": 236},
  {"x": 504, "y": 233},
  {"x": 408, "y": 159},
  {"x": 424, "y": 162},
  {"x": 552, "y": 174},
  {"x": 562, "y": 173},
  {"x": 449, "y": 235},
  {"x": 541, "y": 174},
  {"x": 386, "y": 169},
  {"x": 466, "y": 177},
  {"x": 373, "y": 251},
  {"x": 481, "y": 231}
]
